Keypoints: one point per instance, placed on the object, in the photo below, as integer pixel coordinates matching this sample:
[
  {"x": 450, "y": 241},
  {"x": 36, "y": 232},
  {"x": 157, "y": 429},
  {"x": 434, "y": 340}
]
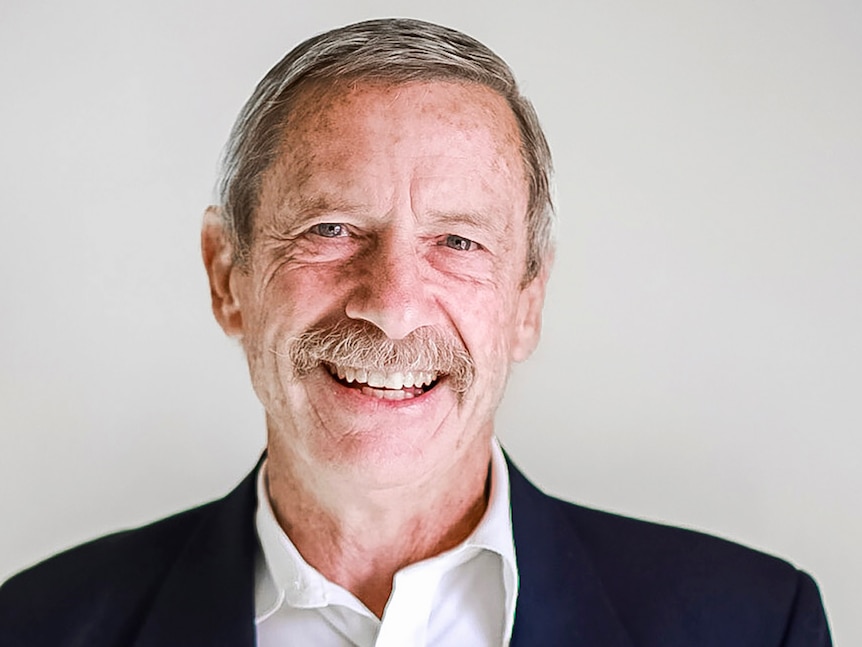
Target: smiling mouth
[{"x": 394, "y": 385}]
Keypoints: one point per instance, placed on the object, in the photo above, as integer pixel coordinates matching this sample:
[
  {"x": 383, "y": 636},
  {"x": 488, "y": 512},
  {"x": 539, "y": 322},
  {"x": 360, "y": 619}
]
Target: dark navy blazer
[{"x": 587, "y": 578}]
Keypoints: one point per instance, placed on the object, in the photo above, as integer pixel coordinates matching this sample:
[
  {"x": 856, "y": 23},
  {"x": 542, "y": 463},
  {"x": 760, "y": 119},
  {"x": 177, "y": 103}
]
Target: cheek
[
  {"x": 263, "y": 341},
  {"x": 485, "y": 321},
  {"x": 264, "y": 371},
  {"x": 291, "y": 302},
  {"x": 298, "y": 299}
]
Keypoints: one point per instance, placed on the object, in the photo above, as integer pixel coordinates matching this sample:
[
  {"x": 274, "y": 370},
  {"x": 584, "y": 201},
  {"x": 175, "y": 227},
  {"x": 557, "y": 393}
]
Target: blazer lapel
[
  {"x": 561, "y": 600},
  {"x": 207, "y": 599}
]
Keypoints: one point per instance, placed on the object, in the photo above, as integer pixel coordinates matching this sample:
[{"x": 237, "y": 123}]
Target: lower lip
[{"x": 389, "y": 394}]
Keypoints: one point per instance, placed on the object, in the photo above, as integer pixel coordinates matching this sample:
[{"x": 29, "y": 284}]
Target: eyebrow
[
  {"x": 475, "y": 219},
  {"x": 306, "y": 208}
]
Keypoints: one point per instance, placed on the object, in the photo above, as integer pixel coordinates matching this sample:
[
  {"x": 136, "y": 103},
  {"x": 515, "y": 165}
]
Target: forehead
[
  {"x": 355, "y": 128},
  {"x": 324, "y": 105}
]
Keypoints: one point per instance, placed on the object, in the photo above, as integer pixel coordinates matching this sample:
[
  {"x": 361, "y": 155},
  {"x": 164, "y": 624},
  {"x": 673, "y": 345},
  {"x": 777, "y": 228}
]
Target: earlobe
[
  {"x": 217, "y": 251},
  {"x": 529, "y": 317}
]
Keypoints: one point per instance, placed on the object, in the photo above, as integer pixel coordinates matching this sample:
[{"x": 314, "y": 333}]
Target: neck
[{"x": 359, "y": 537}]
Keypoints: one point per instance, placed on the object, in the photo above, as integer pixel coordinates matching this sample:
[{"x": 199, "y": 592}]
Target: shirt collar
[{"x": 284, "y": 577}]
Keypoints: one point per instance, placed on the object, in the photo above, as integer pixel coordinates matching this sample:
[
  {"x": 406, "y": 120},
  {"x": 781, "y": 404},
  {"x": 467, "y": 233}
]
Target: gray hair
[{"x": 390, "y": 50}]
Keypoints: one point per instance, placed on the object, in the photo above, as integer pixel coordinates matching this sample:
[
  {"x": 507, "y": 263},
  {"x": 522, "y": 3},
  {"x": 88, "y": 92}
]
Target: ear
[
  {"x": 217, "y": 251},
  {"x": 528, "y": 325}
]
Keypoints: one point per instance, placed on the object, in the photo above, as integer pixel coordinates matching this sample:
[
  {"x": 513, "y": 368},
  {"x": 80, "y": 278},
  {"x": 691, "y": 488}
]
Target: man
[{"x": 381, "y": 251}]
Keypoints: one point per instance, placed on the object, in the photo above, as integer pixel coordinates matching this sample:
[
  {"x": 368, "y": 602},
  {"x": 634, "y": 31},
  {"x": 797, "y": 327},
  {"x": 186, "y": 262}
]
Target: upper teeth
[{"x": 379, "y": 380}]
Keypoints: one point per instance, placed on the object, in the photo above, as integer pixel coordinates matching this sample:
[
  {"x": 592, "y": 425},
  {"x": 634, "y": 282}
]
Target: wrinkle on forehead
[
  {"x": 322, "y": 135},
  {"x": 319, "y": 106}
]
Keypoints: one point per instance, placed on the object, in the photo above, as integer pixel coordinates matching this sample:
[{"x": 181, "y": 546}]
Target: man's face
[{"x": 401, "y": 207}]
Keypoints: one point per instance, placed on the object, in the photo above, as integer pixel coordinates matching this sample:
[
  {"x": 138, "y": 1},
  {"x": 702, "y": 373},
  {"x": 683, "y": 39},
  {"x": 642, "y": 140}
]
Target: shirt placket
[{"x": 405, "y": 619}]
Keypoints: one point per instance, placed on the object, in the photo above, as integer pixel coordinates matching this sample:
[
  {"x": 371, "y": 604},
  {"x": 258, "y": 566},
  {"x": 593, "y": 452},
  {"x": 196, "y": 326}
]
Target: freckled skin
[
  {"x": 399, "y": 169},
  {"x": 388, "y": 162}
]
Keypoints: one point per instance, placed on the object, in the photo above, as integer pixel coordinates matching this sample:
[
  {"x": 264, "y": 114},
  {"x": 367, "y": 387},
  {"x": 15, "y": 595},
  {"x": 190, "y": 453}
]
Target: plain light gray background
[{"x": 701, "y": 357}]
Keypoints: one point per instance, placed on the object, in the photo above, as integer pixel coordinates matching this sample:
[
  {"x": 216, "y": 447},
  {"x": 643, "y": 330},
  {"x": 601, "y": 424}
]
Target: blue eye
[
  {"x": 329, "y": 229},
  {"x": 459, "y": 243}
]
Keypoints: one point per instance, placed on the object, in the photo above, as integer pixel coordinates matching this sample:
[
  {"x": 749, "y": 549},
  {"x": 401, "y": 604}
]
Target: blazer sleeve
[{"x": 807, "y": 625}]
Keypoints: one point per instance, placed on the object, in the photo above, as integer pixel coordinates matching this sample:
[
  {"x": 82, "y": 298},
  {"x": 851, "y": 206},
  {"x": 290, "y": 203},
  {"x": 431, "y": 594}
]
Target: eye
[
  {"x": 460, "y": 243},
  {"x": 329, "y": 229}
]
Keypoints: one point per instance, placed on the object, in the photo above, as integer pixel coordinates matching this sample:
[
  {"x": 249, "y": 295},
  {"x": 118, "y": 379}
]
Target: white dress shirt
[{"x": 465, "y": 596}]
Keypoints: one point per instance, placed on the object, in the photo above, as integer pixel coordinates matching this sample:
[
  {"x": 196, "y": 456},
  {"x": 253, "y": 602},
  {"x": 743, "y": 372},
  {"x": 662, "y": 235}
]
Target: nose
[{"x": 390, "y": 292}]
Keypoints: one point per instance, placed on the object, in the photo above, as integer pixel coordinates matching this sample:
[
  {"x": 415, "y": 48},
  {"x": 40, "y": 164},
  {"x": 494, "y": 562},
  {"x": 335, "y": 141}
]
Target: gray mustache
[{"x": 360, "y": 344}]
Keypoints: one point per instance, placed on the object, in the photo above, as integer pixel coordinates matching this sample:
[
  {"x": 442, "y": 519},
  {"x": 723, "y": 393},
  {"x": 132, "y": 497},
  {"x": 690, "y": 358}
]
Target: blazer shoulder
[
  {"x": 659, "y": 584},
  {"x": 633, "y": 540},
  {"x": 686, "y": 582},
  {"x": 107, "y": 582}
]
